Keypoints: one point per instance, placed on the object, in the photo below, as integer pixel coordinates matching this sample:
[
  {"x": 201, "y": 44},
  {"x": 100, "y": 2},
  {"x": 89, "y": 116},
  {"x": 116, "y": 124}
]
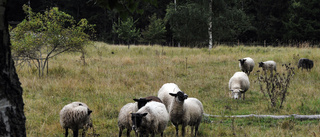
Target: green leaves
[
  {"x": 155, "y": 31},
  {"x": 126, "y": 30}
]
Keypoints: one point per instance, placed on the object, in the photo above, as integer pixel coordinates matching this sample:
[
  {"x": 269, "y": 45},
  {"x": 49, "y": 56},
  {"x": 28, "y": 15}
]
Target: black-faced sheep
[
  {"x": 238, "y": 84},
  {"x": 246, "y": 65},
  {"x": 75, "y": 116},
  {"x": 268, "y": 65},
  {"x": 305, "y": 64},
  {"x": 150, "y": 119},
  {"x": 185, "y": 111},
  {"x": 143, "y": 101},
  {"x": 164, "y": 91},
  {"x": 124, "y": 118}
]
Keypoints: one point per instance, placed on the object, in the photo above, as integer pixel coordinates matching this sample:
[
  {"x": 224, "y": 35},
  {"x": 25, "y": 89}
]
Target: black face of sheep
[
  {"x": 260, "y": 64},
  {"x": 136, "y": 120},
  {"x": 142, "y": 102},
  {"x": 242, "y": 61},
  {"x": 181, "y": 96}
]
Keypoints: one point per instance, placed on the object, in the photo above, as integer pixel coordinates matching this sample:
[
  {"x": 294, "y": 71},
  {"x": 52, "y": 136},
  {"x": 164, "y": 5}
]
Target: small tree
[
  {"x": 126, "y": 31},
  {"x": 155, "y": 31},
  {"x": 43, "y": 36},
  {"x": 276, "y": 85}
]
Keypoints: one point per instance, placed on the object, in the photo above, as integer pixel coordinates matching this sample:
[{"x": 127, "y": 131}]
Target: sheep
[
  {"x": 150, "y": 119},
  {"x": 268, "y": 65},
  {"x": 185, "y": 111},
  {"x": 305, "y": 64},
  {"x": 143, "y": 101},
  {"x": 124, "y": 117},
  {"x": 164, "y": 91},
  {"x": 75, "y": 116},
  {"x": 238, "y": 84},
  {"x": 246, "y": 65}
]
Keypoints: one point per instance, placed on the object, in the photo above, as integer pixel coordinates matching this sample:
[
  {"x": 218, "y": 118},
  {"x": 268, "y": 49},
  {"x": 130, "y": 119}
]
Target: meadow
[{"x": 108, "y": 81}]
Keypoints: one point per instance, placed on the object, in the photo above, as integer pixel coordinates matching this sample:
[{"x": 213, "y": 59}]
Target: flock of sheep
[{"x": 150, "y": 115}]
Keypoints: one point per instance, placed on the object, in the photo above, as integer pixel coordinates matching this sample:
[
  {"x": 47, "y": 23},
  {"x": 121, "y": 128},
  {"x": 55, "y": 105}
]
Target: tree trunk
[
  {"x": 12, "y": 119},
  {"x": 295, "y": 116},
  {"x": 210, "y": 25}
]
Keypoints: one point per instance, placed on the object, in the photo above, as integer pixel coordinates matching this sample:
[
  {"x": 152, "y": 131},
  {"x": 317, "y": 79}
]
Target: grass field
[{"x": 109, "y": 81}]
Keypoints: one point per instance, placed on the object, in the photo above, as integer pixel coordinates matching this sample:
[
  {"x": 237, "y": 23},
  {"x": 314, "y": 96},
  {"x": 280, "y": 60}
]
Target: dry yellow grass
[{"x": 109, "y": 81}]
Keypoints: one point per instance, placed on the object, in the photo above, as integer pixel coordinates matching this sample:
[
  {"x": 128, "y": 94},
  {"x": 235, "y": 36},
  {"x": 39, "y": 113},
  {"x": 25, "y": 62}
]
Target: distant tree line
[{"x": 186, "y": 22}]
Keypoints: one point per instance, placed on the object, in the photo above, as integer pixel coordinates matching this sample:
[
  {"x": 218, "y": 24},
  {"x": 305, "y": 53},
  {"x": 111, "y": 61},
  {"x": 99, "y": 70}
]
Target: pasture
[{"x": 109, "y": 81}]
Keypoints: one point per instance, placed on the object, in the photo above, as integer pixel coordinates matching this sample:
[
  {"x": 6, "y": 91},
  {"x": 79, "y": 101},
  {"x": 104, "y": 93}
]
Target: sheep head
[
  {"x": 236, "y": 93},
  {"x": 179, "y": 96},
  {"x": 142, "y": 102},
  {"x": 137, "y": 120},
  {"x": 242, "y": 61}
]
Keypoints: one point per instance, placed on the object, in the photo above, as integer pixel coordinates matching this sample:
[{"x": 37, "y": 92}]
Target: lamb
[
  {"x": 124, "y": 118},
  {"x": 246, "y": 65},
  {"x": 150, "y": 119},
  {"x": 143, "y": 101},
  {"x": 305, "y": 64},
  {"x": 238, "y": 84},
  {"x": 268, "y": 65},
  {"x": 164, "y": 91},
  {"x": 75, "y": 116},
  {"x": 185, "y": 111}
]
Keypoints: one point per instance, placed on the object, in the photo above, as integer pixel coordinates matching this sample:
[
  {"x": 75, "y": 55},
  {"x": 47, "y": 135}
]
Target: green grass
[{"x": 109, "y": 81}]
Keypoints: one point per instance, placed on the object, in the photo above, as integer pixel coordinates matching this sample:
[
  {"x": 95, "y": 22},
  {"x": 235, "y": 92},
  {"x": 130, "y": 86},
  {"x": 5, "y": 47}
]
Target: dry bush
[{"x": 275, "y": 86}]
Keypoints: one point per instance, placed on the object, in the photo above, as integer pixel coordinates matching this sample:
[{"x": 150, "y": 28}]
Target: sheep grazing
[
  {"x": 305, "y": 64},
  {"x": 143, "y": 101},
  {"x": 124, "y": 118},
  {"x": 150, "y": 119},
  {"x": 75, "y": 116},
  {"x": 246, "y": 65},
  {"x": 164, "y": 91},
  {"x": 238, "y": 85},
  {"x": 185, "y": 111},
  {"x": 268, "y": 65}
]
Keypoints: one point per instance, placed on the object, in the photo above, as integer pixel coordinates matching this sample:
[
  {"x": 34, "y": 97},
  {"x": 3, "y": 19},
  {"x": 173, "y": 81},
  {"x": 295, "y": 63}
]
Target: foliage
[
  {"x": 126, "y": 31},
  {"x": 276, "y": 85},
  {"x": 43, "y": 36},
  {"x": 155, "y": 31},
  {"x": 189, "y": 23}
]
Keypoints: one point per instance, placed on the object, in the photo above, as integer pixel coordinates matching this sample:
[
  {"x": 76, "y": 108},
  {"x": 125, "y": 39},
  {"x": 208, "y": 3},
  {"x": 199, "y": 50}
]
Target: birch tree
[{"x": 12, "y": 118}]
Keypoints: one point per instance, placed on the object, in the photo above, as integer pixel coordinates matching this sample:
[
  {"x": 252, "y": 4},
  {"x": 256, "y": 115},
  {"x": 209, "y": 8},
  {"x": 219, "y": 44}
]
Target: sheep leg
[
  {"x": 177, "y": 129},
  {"x": 161, "y": 134},
  {"x": 192, "y": 127},
  {"x": 66, "y": 134},
  {"x": 75, "y": 133},
  {"x": 183, "y": 130},
  {"x": 128, "y": 132},
  {"x": 196, "y": 131},
  {"x": 244, "y": 96},
  {"x": 120, "y": 132}
]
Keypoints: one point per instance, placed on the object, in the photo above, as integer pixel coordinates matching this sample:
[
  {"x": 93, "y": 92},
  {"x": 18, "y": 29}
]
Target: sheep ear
[
  {"x": 231, "y": 89},
  {"x": 185, "y": 96},
  {"x": 172, "y": 94},
  {"x": 144, "y": 114},
  {"x": 137, "y": 100},
  {"x": 148, "y": 100}
]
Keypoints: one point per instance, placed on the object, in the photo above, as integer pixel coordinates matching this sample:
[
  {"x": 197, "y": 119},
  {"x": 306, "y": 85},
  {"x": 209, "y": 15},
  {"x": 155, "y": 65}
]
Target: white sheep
[
  {"x": 268, "y": 65},
  {"x": 75, "y": 116},
  {"x": 246, "y": 65},
  {"x": 150, "y": 119},
  {"x": 185, "y": 111},
  {"x": 238, "y": 84},
  {"x": 124, "y": 118},
  {"x": 164, "y": 91}
]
